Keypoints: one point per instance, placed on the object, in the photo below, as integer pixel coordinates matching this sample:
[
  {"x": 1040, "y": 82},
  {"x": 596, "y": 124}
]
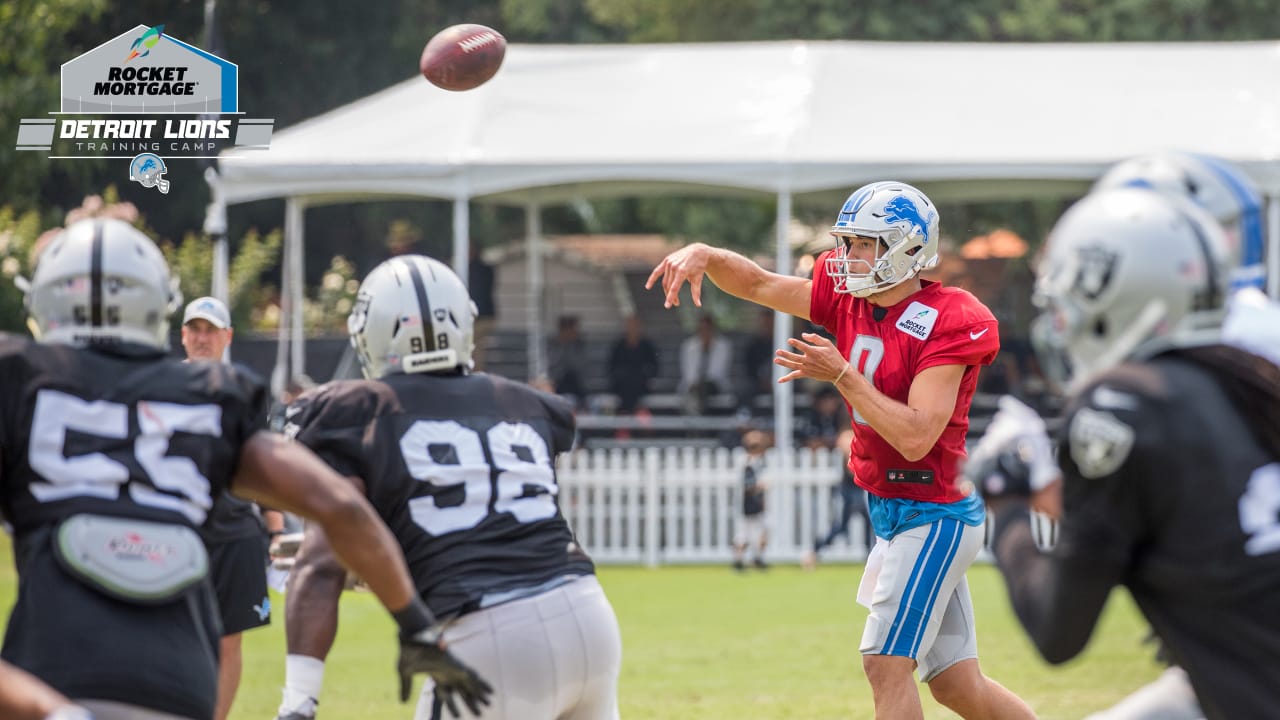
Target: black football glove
[{"x": 422, "y": 652}]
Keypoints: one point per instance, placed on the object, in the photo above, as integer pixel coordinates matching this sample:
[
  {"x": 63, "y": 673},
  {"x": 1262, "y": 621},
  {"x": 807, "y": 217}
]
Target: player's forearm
[
  {"x": 907, "y": 429},
  {"x": 741, "y": 277},
  {"x": 23, "y": 697},
  {"x": 365, "y": 545},
  {"x": 735, "y": 274},
  {"x": 1057, "y": 607}
]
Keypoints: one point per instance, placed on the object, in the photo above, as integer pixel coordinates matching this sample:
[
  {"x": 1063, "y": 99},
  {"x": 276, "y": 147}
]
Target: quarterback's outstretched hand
[
  {"x": 688, "y": 263},
  {"x": 423, "y": 652}
]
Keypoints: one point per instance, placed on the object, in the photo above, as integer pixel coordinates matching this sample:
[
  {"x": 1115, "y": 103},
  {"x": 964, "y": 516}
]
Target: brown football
[{"x": 462, "y": 57}]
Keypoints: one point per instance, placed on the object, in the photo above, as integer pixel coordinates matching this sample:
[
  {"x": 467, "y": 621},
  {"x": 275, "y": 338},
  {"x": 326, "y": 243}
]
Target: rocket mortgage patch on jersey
[{"x": 917, "y": 320}]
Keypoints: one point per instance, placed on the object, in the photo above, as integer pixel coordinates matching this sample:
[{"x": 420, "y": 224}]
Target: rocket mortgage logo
[{"x": 146, "y": 97}]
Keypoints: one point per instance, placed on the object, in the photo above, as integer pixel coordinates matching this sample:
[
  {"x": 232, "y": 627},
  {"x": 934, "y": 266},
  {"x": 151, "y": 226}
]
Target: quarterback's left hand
[
  {"x": 424, "y": 652},
  {"x": 817, "y": 358}
]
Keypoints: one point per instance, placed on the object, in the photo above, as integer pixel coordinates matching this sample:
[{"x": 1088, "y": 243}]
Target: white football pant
[{"x": 552, "y": 656}]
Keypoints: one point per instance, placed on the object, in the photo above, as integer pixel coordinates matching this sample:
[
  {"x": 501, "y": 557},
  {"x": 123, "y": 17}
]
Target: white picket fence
[{"x": 658, "y": 506}]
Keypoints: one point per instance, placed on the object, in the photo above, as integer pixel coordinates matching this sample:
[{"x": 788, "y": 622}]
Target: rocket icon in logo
[{"x": 142, "y": 46}]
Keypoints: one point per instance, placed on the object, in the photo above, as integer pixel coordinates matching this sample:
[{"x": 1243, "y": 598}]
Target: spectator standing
[
  {"x": 853, "y": 501},
  {"x": 235, "y": 532},
  {"x": 752, "y": 530}
]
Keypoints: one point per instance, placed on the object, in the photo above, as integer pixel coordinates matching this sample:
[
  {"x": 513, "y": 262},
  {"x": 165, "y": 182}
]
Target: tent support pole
[
  {"x": 462, "y": 237},
  {"x": 295, "y": 231},
  {"x": 782, "y": 393},
  {"x": 535, "y": 279}
]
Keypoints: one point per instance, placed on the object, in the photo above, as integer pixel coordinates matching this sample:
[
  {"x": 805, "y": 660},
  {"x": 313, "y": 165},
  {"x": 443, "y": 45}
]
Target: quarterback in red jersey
[
  {"x": 906, "y": 360},
  {"x": 938, "y": 326}
]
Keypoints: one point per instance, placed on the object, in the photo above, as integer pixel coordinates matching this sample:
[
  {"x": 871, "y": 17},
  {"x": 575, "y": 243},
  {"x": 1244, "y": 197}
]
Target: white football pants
[{"x": 552, "y": 656}]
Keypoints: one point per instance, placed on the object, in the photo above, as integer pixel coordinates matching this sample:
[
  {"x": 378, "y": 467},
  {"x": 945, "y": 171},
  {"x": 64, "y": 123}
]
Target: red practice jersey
[{"x": 936, "y": 326}]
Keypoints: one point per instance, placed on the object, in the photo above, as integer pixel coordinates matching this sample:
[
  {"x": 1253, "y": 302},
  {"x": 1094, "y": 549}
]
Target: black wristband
[{"x": 414, "y": 617}]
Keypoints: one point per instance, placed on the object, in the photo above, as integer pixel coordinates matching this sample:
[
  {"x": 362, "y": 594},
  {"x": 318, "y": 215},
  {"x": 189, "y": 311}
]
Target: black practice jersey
[
  {"x": 1168, "y": 491},
  {"x": 462, "y": 469},
  {"x": 232, "y": 519},
  {"x": 125, "y": 432}
]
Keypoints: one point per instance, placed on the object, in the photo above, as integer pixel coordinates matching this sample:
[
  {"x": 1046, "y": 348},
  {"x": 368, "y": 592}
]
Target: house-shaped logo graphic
[{"x": 145, "y": 71}]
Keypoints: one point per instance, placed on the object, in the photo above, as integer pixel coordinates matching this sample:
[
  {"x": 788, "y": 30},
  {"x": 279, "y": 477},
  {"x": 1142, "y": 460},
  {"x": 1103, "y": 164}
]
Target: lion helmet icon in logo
[{"x": 147, "y": 169}]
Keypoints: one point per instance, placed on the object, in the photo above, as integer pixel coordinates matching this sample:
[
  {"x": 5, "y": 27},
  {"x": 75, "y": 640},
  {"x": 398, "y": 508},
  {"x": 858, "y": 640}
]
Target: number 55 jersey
[
  {"x": 461, "y": 469},
  {"x": 136, "y": 441}
]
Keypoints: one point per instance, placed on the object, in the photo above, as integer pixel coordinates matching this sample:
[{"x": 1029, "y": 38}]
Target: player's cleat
[
  {"x": 761, "y": 564},
  {"x": 296, "y": 706}
]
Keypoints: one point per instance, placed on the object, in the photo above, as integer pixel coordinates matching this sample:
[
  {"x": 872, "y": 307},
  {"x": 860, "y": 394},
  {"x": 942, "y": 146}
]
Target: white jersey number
[
  {"x": 1260, "y": 511},
  {"x": 98, "y": 475},
  {"x": 444, "y": 453}
]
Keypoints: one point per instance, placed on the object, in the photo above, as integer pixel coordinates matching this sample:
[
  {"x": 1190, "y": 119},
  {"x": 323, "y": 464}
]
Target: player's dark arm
[
  {"x": 286, "y": 475},
  {"x": 24, "y": 697},
  {"x": 311, "y": 603},
  {"x": 1058, "y": 602}
]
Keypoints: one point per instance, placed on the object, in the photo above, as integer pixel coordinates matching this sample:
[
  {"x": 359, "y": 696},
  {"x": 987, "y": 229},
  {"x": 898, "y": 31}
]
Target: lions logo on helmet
[
  {"x": 148, "y": 169},
  {"x": 412, "y": 314},
  {"x": 904, "y": 222}
]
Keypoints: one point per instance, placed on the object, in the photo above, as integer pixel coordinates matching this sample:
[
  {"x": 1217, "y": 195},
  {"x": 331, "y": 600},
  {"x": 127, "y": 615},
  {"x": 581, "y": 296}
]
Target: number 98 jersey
[{"x": 462, "y": 470}]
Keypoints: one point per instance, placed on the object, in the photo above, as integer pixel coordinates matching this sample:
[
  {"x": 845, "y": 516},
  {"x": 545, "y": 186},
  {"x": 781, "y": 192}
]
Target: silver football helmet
[
  {"x": 101, "y": 281},
  {"x": 412, "y": 314},
  {"x": 1127, "y": 272},
  {"x": 1226, "y": 192},
  {"x": 905, "y": 223}
]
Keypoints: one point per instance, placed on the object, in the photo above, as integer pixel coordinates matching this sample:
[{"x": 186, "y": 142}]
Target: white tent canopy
[
  {"x": 965, "y": 121},
  {"x": 797, "y": 116}
]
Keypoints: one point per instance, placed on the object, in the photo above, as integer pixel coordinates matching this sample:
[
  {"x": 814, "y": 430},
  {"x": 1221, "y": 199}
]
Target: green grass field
[{"x": 704, "y": 643}]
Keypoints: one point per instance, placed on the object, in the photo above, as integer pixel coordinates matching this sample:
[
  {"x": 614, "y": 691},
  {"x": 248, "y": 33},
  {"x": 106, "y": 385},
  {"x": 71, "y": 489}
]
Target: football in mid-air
[{"x": 462, "y": 57}]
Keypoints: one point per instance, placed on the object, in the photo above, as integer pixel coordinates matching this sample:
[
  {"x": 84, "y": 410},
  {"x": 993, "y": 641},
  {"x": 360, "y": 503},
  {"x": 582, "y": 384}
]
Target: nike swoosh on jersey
[{"x": 976, "y": 335}]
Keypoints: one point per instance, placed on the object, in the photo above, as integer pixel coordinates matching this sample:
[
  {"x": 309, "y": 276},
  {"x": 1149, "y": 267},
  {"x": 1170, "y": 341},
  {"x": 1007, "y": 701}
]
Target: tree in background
[
  {"x": 298, "y": 60},
  {"x": 192, "y": 262}
]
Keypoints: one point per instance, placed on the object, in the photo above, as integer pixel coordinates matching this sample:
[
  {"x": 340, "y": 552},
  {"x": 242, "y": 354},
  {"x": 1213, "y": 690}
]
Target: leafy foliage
[{"x": 299, "y": 60}]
